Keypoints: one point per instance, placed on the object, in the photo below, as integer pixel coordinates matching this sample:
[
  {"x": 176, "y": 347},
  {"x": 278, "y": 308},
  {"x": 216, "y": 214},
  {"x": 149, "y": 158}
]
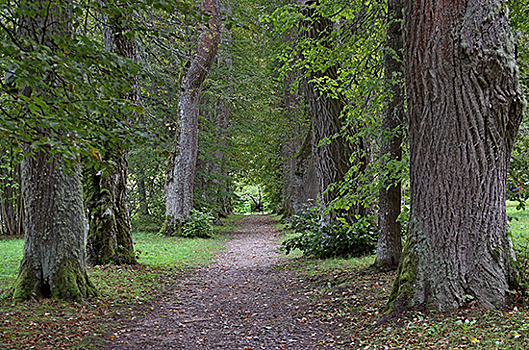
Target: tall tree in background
[
  {"x": 389, "y": 246},
  {"x": 11, "y": 203},
  {"x": 465, "y": 105},
  {"x": 182, "y": 162},
  {"x": 109, "y": 234},
  {"x": 212, "y": 178},
  {"x": 333, "y": 146},
  {"x": 53, "y": 264}
]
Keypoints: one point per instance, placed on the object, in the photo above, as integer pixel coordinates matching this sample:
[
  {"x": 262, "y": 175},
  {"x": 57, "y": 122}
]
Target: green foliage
[
  {"x": 342, "y": 238},
  {"x": 198, "y": 225},
  {"x": 10, "y": 257},
  {"x": 522, "y": 267}
]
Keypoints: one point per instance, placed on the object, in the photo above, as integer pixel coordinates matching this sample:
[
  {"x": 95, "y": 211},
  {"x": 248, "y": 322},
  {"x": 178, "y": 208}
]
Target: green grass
[
  {"x": 518, "y": 224},
  {"x": 126, "y": 292},
  {"x": 151, "y": 248},
  {"x": 10, "y": 256},
  {"x": 155, "y": 250}
]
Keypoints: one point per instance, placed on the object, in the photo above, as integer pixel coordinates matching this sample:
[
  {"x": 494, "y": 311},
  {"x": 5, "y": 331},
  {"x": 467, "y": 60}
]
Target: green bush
[
  {"x": 199, "y": 224},
  {"x": 341, "y": 238}
]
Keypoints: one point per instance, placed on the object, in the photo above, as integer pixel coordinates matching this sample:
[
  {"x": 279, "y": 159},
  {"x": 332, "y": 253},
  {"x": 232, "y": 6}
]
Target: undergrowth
[{"x": 340, "y": 238}]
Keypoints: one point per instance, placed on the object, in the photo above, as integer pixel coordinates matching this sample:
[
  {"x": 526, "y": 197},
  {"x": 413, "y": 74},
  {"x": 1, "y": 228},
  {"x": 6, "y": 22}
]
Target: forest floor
[{"x": 245, "y": 300}]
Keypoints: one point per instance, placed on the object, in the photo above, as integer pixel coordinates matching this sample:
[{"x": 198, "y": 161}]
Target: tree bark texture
[
  {"x": 53, "y": 263},
  {"x": 389, "y": 245},
  {"x": 291, "y": 145},
  {"x": 306, "y": 189},
  {"x": 182, "y": 162},
  {"x": 110, "y": 234},
  {"x": 465, "y": 106},
  {"x": 333, "y": 150}
]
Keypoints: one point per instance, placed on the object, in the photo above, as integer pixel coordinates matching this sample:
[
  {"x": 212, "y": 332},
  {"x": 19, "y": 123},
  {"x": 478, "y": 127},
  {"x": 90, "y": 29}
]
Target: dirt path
[{"x": 244, "y": 301}]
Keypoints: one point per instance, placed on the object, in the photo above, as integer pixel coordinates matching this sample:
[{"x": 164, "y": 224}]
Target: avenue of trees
[{"x": 397, "y": 125}]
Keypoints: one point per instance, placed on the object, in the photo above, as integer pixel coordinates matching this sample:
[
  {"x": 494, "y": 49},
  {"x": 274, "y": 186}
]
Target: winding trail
[{"x": 245, "y": 300}]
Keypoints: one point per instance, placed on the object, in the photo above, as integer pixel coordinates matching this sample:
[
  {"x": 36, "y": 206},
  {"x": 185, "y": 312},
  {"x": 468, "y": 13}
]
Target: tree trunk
[
  {"x": 53, "y": 264},
  {"x": 182, "y": 162},
  {"x": 296, "y": 129},
  {"x": 54, "y": 250},
  {"x": 11, "y": 201},
  {"x": 110, "y": 234},
  {"x": 142, "y": 192},
  {"x": 389, "y": 246},
  {"x": 306, "y": 186},
  {"x": 333, "y": 150},
  {"x": 224, "y": 114},
  {"x": 465, "y": 106}
]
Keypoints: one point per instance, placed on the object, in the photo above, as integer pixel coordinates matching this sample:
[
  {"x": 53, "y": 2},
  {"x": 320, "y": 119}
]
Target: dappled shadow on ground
[{"x": 243, "y": 301}]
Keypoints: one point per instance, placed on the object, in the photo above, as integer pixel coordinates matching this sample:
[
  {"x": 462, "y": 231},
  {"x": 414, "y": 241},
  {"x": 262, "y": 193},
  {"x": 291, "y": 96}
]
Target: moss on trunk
[{"x": 70, "y": 282}]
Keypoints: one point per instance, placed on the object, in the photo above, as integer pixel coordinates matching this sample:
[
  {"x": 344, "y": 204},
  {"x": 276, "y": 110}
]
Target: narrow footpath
[{"x": 245, "y": 300}]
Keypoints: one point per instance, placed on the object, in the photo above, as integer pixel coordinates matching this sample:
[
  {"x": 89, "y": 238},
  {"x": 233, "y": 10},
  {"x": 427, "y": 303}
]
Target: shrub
[
  {"x": 341, "y": 238},
  {"x": 199, "y": 224}
]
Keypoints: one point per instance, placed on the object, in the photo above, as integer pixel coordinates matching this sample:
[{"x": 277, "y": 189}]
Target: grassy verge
[{"x": 126, "y": 292}]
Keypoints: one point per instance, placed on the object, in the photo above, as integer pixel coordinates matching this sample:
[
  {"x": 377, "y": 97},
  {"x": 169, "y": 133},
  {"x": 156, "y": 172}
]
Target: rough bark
[
  {"x": 53, "y": 263},
  {"x": 182, "y": 162},
  {"x": 306, "y": 186},
  {"x": 465, "y": 106},
  {"x": 333, "y": 149},
  {"x": 296, "y": 130},
  {"x": 110, "y": 234},
  {"x": 389, "y": 245}
]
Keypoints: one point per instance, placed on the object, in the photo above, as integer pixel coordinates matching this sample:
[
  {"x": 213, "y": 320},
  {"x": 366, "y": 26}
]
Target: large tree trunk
[
  {"x": 53, "y": 264},
  {"x": 182, "y": 162},
  {"x": 465, "y": 106},
  {"x": 389, "y": 246},
  {"x": 54, "y": 250},
  {"x": 110, "y": 234}
]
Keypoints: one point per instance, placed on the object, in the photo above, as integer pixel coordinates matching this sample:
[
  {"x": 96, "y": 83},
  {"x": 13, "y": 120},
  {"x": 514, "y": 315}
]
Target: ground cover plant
[{"x": 126, "y": 292}]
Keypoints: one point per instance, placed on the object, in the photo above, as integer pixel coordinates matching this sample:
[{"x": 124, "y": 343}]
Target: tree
[
  {"x": 389, "y": 245},
  {"x": 182, "y": 162},
  {"x": 334, "y": 148},
  {"x": 109, "y": 234},
  {"x": 464, "y": 105},
  {"x": 11, "y": 203},
  {"x": 53, "y": 264}
]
